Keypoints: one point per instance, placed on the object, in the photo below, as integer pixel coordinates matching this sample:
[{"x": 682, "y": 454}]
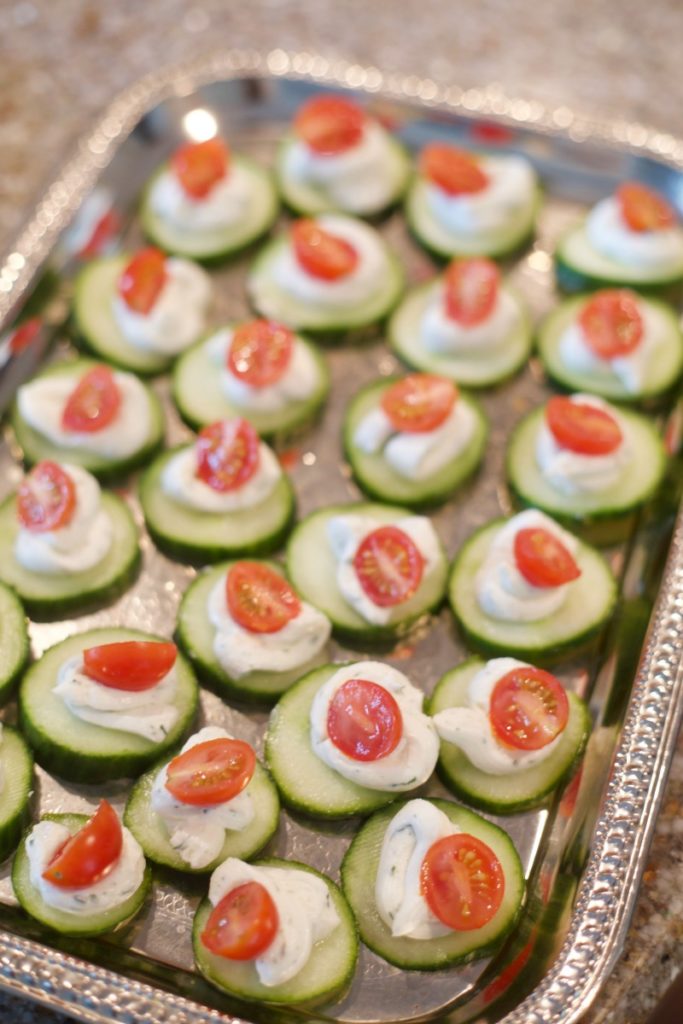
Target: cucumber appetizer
[
  {"x": 615, "y": 344},
  {"x": 16, "y": 787},
  {"x": 413, "y": 440},
  {"x": 466, "y": 204},
  {"x": 466, "y": 325},
  {"x": 510, "y": 734},
  {"x": 631, "y": 238},
  {"x": 139, "y": 312},
  {"x": 208, "y": 203},
  {"x": 374, "y": 570},
  {"x": 260, "y": 370},
  {"x": 246, "y": 631},
  {"x": 585, "y": 462},
  {"x": 328, "y": 276},
  {"x": 224, "y": 495},
  {"x": 84, "y": 413},
  {"x": 14, "y": 646},
  {"x": 338, "y": 157},
  {"x": 211, "y": 801},
  {"x": 81, "y": 876},
  {"x": 348, "y": 739},
  {"x": 432, "y": 884},
  {"x": 106, "y": 704},
  {"x": 65, "y": 546},
  {"x": 526, "y": 587}
]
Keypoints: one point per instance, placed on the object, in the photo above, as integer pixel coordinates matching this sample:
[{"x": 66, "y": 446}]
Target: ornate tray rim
[{"x": 609, "y": 888}]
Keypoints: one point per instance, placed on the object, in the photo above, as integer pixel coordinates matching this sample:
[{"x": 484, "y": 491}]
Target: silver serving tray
[{"x": 585, "y": 854}]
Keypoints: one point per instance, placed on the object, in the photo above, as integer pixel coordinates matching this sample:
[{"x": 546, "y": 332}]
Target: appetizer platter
[{"x": 273, "y": 585}]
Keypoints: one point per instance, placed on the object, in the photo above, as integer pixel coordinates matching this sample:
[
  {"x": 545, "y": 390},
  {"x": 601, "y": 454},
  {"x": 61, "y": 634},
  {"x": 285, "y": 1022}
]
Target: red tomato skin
[
  {"x": 542, "y": 559},
  {"x": 389, "y": 566},
  {"x": 89, "y": 855},
  {"x": 364, "y": 721},
  {"x": 94, "y": 403},
  {"x": 199, "y": 166},
  {"x": 260, "y": 352},
  {"x": 643, "y": 209},
  {"x": 419, "y": 403},
  {"x": 227, "y": 454},
  {"x": 528, "y": 708},
  {"x": 453, "y": 170},
  {"x": 321, "y": 253},
  {"x": 471, "y": 289},
  {"x": 462, "y": 882},
  {"x": 143, "y": 279},
  {"x": 611, "y": 323},
  {"x": 243, "y": 924},
  {"x": 130, "y": 665},
  {"x": 24, "y": 335},
  {"x": 582, "y": 427},
  {"x": 330, "y": 125},
  {"x": 37, "y": 509},
  {"x": 211, "y": 773},
  {"x": 260, "y": 599}
]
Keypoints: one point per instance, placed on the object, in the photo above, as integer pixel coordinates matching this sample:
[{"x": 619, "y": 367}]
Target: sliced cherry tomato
[
  {"x": 643, "y": 209},
  {"x": 211, "y": 772},
  {"x": 454, "y": 170},
  {"x": 24, "y": 335},
  {"x": 260, "y": 599},
  {"x": 199, "y": 166},
  {"x": 528, "y": 708},
  {"x": 388, "y": 565},
  {"x": 462, "y": 881},
  {"x": 94, "y": 403},
  {"x": 104, "y": 230},
  {"x": 330, "y": 124},
  {"x": 227, "y": 454},
  {"x": 243, "y": 924},
  {"x": 46, "y": 499},
  {"x": 142, "y": 280},
  {"x": 582, "y": 427},
  {"x": 419, "y": 403},
  {"x": 471, "y": 290},
  {"x": 364, "y": 721},
  {"x": 611, "y": 323},
  {"x": 89, "y": 855},
  {"x": 260, "y": 352},
  {"x": 542, "y": 558},
  {"x": 131, "y": 665},
  {"x": 320, "y": 253}
]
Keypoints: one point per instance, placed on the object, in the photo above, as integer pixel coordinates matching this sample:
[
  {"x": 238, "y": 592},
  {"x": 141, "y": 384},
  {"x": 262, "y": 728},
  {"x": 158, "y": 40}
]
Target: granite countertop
[{"x": 63, "y": 61}]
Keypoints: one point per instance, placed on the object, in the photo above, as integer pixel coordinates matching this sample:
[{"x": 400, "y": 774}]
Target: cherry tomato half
[
  {"x": 543, "y": 559},
  {"x": 94, "y": 403},
  {"x": 320, "y": 253},
  {"x": 90, "y": 854},
  {"x": 419, "y": 403},
  {"x": 471, "y": 290},
  {"x": 453, "y": 170},
  {"x": 364, "y": 721},
  {"x": 211, "y": 772},
  {"x": 131, "y": 665},
  {"x": 199, "y": 166},
  {"x": 259, "y": 598},
  {"x": 643, "y": 209},
  {"x": 227, "y": 454},
  {"x": 462, "y": 881},
  {"x": 582, "y": 427},
  {"x": 243, "y": 924},
  {"x": 260, "y": 352},
  {"x": 528, "y": 708},
  {"x": 46, "y": 499},
  {"x": 611, "y": 323},
  {"x": 330, "y": 124},
  {"x": 143, "y": 279},
  {"x": 389, "y": 566}
]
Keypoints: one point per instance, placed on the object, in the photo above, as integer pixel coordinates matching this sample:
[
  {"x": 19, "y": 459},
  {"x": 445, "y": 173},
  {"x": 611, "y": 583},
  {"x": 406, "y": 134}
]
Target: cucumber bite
[
  {"x": 494, "y": 755},
  {"x": 374, "y": 570},
  {"x": 292, "y": 939},
  {"x": 14, "y": 645},
  {"x": 16, "y": 787},
  {"x": 413, "y": 440},
  {"x": 86, "y": 721},
  {"x": 468, "y": 875},
  {"x": 83, "y": 413},
  {"x": 247, "y": 633},
  {"x": 259, "y": 370}
]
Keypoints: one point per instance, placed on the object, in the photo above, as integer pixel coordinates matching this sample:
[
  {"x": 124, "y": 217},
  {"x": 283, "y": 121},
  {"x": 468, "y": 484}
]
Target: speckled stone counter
[{"x": 62, "y": 60}]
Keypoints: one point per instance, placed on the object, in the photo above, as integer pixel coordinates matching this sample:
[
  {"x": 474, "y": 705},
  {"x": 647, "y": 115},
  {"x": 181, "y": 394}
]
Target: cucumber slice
[
  {"x": 505, "y": 794},
  {"x": 309, "y": 200},
  {"x": 53, "y": 596},
  {"x": 196, "y": 634},
  {"x": 638, "y": 483},
  {"x": 380, "y": 480},
  {"x": 589, "y": 604},
  {"x": 192, "y": 535},
  {"x": 14, "y": 648},
  {"x": 151, "y": 833},
  {"x": 662, "y": 374},
  {"x": 359, "y": 872},
  {"x": 328, "y": 971},
  {"x": 35, "y": 446},
  {"x": 268, "y": 299},
  {"x": 16, "y": 764},
  {"x": 77, "y": 750},
  {"x": 404, "y": 334},
  {"x": 305, "y": 782},
  {"x": 312, "y": 568},
  {"x": 198, "y": 394},
  {"x": 216, "y": 244},
  {"x": 446, "y": 244},
  {"x": 579, "y": 267},
  {"x": 61, "y": 921}
]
